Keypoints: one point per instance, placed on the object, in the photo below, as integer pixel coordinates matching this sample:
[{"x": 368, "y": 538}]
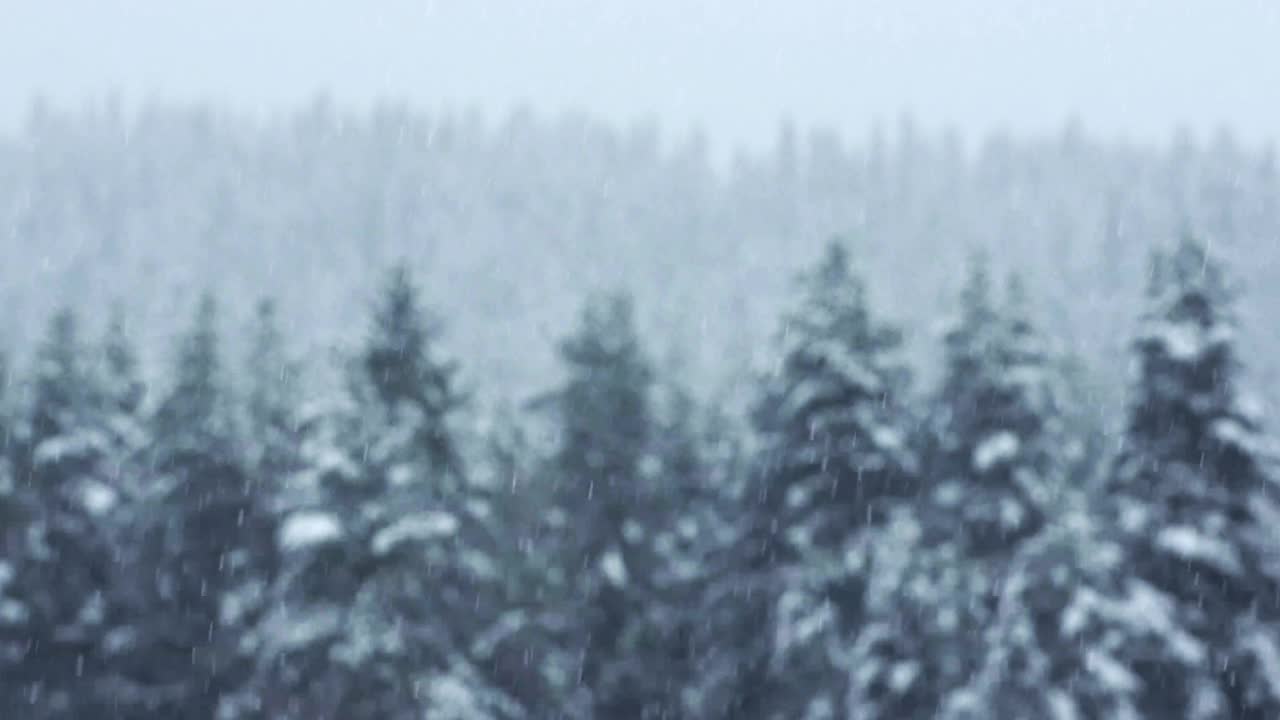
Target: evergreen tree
[
  {"x": 835, "y": 460},
  {"x": 61, "y": 390},
  {"x": 701, "y": 502},
  {"x": 1069, "y": 613},
  {"x": 10, "y": 512},
  {"x": 400, "y": 368},
  {"x": 202, "y": 543},
  {"x": 273, "y": 402},
  {"x": 67, "y": 556},
  {"x": 992, "y": 464},
  {"x": 120, "y": 394},
  {"x": 1070, "y": 617},
  {"x": 924, "y": 601},
  {"x": 389, "y": 569},
  {"x": 685, "y": 538},
  {"x": 679, "y": 537},
  {"x": 634, "y": 522},
  {"x": 525, "y": 649},
  {"x": 991, "y": 456},
  {"x": 272, "y": 416},
  {"x": 1194, "y": 495},
  {"x": 14, "y": 517},
  {"x": 122, "y": 389},
  {"x": 604, "y": 520}
]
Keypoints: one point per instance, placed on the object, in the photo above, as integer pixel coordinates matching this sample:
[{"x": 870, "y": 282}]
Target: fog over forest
[
  {"x": 512, "y": 220},
  {"x": 585, "y": 361}
]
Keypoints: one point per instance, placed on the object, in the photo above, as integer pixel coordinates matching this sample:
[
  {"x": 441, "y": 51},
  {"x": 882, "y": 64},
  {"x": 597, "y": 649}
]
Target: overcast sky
[{"x": 732, "y": 67}]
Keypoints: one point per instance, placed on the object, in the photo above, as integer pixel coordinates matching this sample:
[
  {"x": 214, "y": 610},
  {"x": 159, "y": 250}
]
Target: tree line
[
  {"x": 235, "y": 543},
  {"x": 509, "y": 219}
]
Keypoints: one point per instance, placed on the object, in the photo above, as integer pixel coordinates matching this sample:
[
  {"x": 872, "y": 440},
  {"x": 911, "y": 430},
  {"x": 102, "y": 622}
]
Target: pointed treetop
[
  {"x": 1024, "y": 342},
  {"x": 1187, "y": 402},
  {"x": 975, "y": 331},
  {"x": 606, "y": 327},
  {"x": 976, "y": 297},
  {"x": 199, "y": 366},
  {"x": 57, "y": 355},
  {"x": 398, "y": 358},
  {"x": 195, "y": 416},
  {"x": 1016, "y": 299},
  {"x": 4, "y": 378},
  {"x": 835, "y": 260},
  {"x": 271, "y": 372},
  {"x": 61, "y": 386},
  {"x": 123, "y": 390},
  {"x": 833, "y": 272},
  {"x": 398, "y": 377},
  {"x": 604, "y": 406},
  {"x": 605, "y": 348},
  {"x": 273, "y": 392},
  {"x": 1189, "y": 317},
  {"x": 265, "y": 311},
  {"x": 1189, "y": 284},
  {"x": 834, "y": 307}
]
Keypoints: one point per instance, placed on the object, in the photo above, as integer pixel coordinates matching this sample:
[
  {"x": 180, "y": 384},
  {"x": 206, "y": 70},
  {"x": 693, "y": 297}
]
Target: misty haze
[{"x": 819, "y": 361}]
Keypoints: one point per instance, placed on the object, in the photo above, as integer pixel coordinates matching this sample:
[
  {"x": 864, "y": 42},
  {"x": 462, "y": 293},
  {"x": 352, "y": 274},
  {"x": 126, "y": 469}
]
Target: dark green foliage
[
  {"x": 604, "y": 504},
  {"x": 995, "y": 422},
  {"x": 54, "y": 619},
  {"x": 993, "y": 456},
  {"x": 194, "y": 423},
  {"x": 637, "y": 526},
  {"x": 274, "y": 400},
  {"x": 243, "y": 550},
  {"x": 831, "y": 420},
  {"x": 120, "y": 384},
  {"x": 69, "y": 551},
  {"x": 925, "y": 612},
  {"x": 201, "y": 549},
  {"x": 1195, "y": 497},
  {"x": 1070, "y": 624},
  {"x": 399, "y": 366},
  {"x": 388, "y": 572},
  {"x": 690, "y": 532},
  {"x": 834, "y": 460}
]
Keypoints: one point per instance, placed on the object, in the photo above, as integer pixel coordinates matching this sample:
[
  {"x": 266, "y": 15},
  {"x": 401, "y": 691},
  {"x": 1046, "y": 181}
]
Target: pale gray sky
[{"x": 732, "y": 67}]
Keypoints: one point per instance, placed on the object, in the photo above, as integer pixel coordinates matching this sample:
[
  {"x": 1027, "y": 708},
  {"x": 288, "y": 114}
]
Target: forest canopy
[{"x": 397, "y": 416}]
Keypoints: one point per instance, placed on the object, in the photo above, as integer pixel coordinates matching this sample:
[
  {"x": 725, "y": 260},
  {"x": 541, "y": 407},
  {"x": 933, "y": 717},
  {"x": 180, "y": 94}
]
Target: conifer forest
[
  {"x": 390, "y": 415},
  {"x": 639, "y": 360}
]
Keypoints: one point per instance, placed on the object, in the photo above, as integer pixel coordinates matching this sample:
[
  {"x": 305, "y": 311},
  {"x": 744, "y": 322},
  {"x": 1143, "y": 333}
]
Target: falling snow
[{"x": 351, "y": 412}]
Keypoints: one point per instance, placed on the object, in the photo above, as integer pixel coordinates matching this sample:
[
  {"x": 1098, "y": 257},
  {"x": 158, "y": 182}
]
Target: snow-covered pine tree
[
  {"x": 990, "y": 456},
  {"x": 201, "y": 541},
  {"x": 1070, "y": 615},
  {"x": 65, "y": 567},
  {"x": 524, "y": 650},
  {"x": 12, "y": 513},
  {"x": 923, "y": 599},
  {"x": 271, "y": 445},
  {"x": 690, "y": 536},
  {"x": 1195, "y": 496},
  {"x": 605, "y": 515},
  {"x": 835, "y": 458},
  {"x": 715, "y": 608},
  {"x": 14, "y": 517},
  {"x": 119, "y": 381},
  {"x": 389, "y": 570},
  {"x": 120, "y": 396},
  {"x": 991, "y": 463},
  {"x": 272, "y": 403}
]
